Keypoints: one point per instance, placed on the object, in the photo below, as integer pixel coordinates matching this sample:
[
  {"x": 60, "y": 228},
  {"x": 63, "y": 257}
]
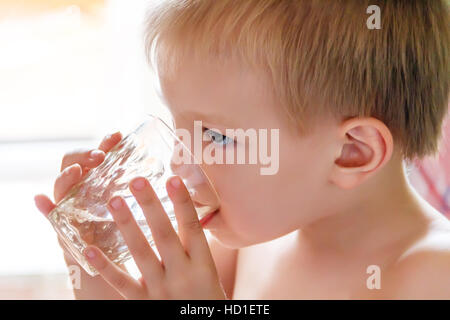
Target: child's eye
[{"x": 217, "y": 138}]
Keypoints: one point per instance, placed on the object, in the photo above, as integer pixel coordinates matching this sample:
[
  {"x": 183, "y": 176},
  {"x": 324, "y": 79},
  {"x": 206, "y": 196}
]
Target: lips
[{"x": 209, "y": 216}]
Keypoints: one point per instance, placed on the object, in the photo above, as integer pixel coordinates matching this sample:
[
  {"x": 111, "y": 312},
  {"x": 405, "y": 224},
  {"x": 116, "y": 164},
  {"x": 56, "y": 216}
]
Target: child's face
[{"x": 254, "y": 208}]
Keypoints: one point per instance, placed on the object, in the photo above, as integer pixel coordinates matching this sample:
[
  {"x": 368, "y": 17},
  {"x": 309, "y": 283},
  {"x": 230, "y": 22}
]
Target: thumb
[{"x": 44, "y": 204}]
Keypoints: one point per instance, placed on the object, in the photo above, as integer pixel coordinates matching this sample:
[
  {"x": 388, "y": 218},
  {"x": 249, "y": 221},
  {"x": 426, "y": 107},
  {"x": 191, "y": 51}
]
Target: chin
[{"x": 229, "y": 241}]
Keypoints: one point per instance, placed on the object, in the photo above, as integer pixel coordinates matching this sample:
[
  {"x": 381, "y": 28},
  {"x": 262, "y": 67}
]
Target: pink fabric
[{"x": 431, "y": 176}]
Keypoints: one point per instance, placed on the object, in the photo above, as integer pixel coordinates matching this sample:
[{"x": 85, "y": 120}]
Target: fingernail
[
  {"x": 36, "y": 199},
  {"x": 68, "y": 170},
  {"x": 175, "y": 182},
  {"x": 139, "y": 184},
  {"x": 90, "y": 253},
  {"x": 109, "y": 136},
  {"x": 116, "y": 203},
  {"x": 96, "y": 153}
]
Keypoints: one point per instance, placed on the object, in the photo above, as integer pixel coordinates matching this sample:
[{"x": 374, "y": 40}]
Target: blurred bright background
[{"x": 71, "y": 72}]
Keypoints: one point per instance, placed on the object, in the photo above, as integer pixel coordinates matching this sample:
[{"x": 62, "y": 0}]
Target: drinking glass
[{"x": 153, "y": 151}]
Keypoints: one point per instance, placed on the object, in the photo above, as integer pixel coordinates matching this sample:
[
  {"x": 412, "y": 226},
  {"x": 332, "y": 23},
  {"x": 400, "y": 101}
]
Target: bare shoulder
[{"x": 423, "y": 270}]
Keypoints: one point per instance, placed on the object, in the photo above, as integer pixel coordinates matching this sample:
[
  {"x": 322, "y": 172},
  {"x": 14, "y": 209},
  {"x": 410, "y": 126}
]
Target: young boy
[{"x": 338, "y": 220}]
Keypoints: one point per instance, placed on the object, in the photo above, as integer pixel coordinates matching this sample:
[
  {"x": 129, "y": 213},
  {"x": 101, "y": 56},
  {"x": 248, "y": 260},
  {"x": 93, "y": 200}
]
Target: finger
[
  {"x": 85, "y": 158},
  {"x": 110, "y": 141},
  {"x": 123, "y": 282},
  {"x": 189, "y": 227},
  {"x": 66, "y": 180},
  {"x": 144, "y": 256},
  {"x": 91, "y": 158},
  {"x": 166, "y": 239},
  {"x": 70, "y": 259},
  {"x": 44, "y": 204}
]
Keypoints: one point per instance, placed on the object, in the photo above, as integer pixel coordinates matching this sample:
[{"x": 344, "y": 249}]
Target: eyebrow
[
  {"x": 200, "y": 116},
  {"x": 211, "y": 118}
]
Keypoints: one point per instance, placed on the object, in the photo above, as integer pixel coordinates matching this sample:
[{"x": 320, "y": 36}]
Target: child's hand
[
  {"x": 187, "y": 270},
  {"x": 74, "y": 167}
]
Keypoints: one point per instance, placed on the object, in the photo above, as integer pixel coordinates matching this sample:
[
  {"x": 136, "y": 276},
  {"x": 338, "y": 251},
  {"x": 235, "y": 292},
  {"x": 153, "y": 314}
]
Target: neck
[{"x": 388, "y": 211}]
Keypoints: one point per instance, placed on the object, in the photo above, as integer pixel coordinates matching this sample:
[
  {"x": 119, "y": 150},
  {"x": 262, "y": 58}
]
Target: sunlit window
[{"x": 70, "y": 72}]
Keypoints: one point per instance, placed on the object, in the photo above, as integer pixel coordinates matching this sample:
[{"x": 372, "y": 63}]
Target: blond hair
[{"x": 322, "y": 57}]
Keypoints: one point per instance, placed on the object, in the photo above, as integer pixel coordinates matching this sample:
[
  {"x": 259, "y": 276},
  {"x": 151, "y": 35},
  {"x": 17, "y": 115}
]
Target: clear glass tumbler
[{"x": 153, "y": 151}]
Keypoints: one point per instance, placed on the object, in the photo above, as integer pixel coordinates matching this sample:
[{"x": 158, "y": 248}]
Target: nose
[{"x": 199, "y": 186}]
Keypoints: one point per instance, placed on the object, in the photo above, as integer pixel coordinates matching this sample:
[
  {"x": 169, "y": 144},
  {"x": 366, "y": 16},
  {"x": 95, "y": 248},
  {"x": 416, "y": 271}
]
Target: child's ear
[{"x": 365, "y": 145}]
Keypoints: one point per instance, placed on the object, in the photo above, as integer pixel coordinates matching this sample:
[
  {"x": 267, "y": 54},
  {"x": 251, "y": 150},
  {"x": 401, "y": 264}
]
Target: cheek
[
  {"x": 250, "y": 203},
  {"x": 303, "y": 174},
  {"x": 257, "y": 208},
  {"x": 239, "y": 191}
]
